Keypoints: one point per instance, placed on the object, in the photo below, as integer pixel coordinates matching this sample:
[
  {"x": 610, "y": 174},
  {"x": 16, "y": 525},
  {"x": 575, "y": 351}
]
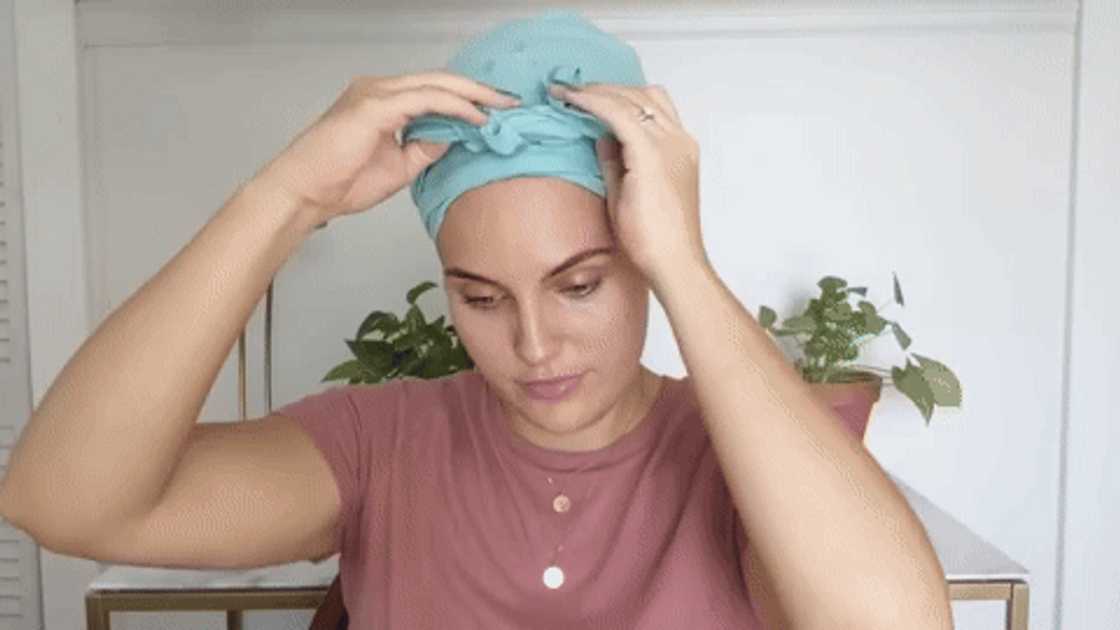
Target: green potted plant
[
  {"x": 386, "y": 347},
  {"x": 830, "y": 334}
]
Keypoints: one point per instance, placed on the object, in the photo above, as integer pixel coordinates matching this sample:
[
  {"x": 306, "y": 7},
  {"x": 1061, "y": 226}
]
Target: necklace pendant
[
  {"x": 553, "y": 577},
  {"x": 561, "y": 503}
]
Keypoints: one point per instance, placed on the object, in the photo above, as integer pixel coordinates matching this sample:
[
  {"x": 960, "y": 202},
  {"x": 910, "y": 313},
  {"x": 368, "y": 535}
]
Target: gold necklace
[{"x": 553, "y": 575}]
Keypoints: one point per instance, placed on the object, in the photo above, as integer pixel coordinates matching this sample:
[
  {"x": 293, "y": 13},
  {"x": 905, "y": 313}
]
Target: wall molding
[{"x": 110, "y": 23}]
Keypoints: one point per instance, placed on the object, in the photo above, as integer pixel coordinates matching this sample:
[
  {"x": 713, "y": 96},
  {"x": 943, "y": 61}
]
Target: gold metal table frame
[{"x": 235, "y": 601}]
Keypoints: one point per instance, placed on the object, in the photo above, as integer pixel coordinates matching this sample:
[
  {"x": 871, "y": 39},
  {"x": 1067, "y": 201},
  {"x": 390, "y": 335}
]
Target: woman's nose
[{"x": 535, "y": 335}]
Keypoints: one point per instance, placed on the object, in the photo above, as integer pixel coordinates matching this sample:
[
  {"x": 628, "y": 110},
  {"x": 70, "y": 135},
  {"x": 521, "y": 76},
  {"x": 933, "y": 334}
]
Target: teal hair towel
[{"x": 543, "y": 136}]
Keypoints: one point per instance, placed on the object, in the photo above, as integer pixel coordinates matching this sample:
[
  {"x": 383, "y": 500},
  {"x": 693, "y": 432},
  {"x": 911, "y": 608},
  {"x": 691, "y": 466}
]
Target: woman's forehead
[{"x": 541, "y": 219}]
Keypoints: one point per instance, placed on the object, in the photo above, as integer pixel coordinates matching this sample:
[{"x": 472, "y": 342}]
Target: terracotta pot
[{"x": 852, "y": 401}]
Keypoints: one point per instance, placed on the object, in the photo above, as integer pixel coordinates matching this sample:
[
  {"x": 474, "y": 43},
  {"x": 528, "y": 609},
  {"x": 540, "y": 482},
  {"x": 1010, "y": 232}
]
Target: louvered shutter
[{"x": 19, "y": 555}]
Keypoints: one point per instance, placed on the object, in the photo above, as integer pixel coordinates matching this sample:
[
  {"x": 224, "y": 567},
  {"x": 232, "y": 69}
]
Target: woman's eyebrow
[{"x": 562, "y": 267}]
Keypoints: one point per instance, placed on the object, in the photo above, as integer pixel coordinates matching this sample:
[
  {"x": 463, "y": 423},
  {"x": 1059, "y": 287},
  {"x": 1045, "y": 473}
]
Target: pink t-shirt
[{"x": 448, "y": 519}]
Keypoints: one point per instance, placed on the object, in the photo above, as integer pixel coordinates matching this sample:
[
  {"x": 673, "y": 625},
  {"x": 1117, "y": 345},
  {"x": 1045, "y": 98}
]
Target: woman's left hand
[{"x": 652, "y": 179}]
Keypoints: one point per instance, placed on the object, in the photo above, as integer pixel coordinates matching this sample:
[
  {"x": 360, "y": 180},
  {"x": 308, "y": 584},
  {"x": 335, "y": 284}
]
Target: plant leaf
[
  {"x": 410, "y": 365},
  {"x": 378, "y": 320},
  {"x": 347, "y": 369},
  {"x": 417, "y": 290},
  {"x": 838, "y": 313},
  {"x": 414, "y": 319},
  {"x": 800, "y": 323},
  {"x": 376, "y": 356},
  {"x": 766, "y": 316},
  {"x": 900, "y": 335},
  {"x": 911, "y": 383},
  {"x": 897, "y": 290},
  {"x": 437, "y": 362},
  {"x": 944, "y": 384},
  {"x": 461, "y": 358},
  {"x": 872, "y": 323},
  {"x": 408, "y": 341},
  {"x": 832, "y": 283}
]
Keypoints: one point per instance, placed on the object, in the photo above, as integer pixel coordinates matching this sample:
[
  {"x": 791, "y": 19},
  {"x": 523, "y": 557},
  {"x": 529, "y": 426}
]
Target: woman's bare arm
[
  {"x": 840, "y": 545},
  {"x": 102, "y": 445},
  {"x": 104, "y": 440}
]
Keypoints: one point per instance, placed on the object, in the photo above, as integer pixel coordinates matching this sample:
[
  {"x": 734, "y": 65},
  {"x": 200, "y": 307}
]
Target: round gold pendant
[
  {"x": 561, "y": 503},
  {"x": 553, "y": 577}
]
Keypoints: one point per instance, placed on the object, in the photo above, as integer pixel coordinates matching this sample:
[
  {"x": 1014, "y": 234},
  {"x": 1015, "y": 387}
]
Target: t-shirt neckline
[{"x": 561, "y": 460}]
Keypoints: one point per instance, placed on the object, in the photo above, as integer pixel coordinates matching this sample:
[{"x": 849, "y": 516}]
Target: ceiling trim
[{"x": 114, "y": 23}]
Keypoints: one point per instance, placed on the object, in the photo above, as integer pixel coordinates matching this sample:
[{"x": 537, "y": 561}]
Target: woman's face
[{"x": 524, "y": 310}]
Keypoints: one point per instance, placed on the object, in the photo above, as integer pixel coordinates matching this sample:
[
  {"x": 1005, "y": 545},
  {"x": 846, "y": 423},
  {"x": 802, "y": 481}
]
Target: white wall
[
  {"x": 934, "y": 139},
  {"x": 1090, "y": 565}
]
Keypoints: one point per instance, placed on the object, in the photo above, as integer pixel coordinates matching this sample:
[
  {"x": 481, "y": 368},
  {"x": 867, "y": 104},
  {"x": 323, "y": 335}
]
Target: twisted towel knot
[
  {"x": 542, "y": 137},
  {"x": 546, "y": 121}
]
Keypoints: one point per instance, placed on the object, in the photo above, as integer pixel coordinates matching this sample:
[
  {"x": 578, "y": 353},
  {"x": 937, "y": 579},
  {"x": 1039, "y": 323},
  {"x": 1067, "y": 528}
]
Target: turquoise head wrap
[{"x": 542, "y": 136}]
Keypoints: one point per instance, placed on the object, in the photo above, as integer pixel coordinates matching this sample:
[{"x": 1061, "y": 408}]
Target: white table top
[{"x": 963, "y": 555}]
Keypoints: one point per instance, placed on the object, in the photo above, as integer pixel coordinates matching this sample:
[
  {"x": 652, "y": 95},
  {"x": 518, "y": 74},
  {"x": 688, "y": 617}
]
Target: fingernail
[{"x": 512, "y": 97}]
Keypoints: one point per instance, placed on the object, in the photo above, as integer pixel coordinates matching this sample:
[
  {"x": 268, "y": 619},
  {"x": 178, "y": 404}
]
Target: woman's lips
[{"x": 556, "y": 390}]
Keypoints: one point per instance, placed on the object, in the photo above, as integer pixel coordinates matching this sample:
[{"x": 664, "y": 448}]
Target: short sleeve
[{"x": 333, "y": 421}]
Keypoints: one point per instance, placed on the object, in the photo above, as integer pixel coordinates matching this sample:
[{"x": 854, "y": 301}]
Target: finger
[
  {"x": 638, "y": 100},
  {"x": 428, "y": 99},
  {"x": 658, "y": 94},
  {"x": 618, "y": 114},
  {"x": 463, "y": 85},
  {"x": 419, "y": 154}
]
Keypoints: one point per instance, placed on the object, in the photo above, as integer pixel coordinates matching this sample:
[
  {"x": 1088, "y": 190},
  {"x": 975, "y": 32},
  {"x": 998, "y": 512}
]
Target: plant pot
[{"x": 852, "y": 401}]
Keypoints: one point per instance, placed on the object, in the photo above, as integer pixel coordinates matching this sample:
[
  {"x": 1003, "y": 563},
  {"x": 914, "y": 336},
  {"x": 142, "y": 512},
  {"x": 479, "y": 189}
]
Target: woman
[{"x": 621, "y": 499}]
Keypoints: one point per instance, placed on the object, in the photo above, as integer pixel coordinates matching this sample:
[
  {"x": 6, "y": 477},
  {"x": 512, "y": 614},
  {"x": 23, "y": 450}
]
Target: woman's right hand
[{"x": 349, "y": 159}]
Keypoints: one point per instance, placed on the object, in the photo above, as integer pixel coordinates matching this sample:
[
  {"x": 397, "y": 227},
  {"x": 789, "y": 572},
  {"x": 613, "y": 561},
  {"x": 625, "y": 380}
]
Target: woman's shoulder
[{"x": 413, "y": 396}]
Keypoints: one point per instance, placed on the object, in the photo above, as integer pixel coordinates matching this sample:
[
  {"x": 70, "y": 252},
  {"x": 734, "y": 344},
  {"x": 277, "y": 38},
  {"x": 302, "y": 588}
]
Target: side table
[
  {"x": 974, "y": 568},
  {"x": 134, "y": 588}
]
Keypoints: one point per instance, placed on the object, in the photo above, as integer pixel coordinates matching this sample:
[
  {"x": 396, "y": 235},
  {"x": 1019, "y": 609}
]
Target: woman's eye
[
  {"x": 578, "y": 290},
  {"x": 583, "y": 290},
  {"x": 482, "y": 300}
]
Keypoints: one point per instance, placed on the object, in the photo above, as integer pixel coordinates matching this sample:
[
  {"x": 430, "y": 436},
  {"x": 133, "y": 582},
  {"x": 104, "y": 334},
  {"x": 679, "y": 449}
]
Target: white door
[{"x": 20, "y": 601}]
